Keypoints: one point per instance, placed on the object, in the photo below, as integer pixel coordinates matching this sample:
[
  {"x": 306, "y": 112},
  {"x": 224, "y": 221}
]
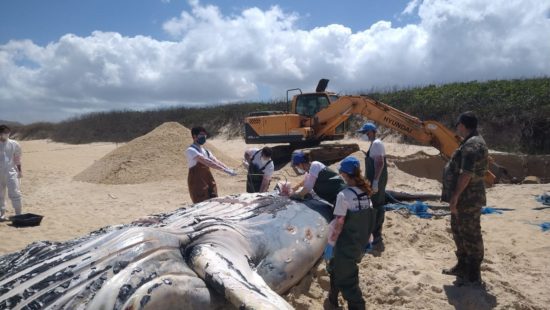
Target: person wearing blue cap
[
  {"x": 354, "y": 220},
  {"x": 325, "y": 182},
  {"x": 376, "y": 171}
]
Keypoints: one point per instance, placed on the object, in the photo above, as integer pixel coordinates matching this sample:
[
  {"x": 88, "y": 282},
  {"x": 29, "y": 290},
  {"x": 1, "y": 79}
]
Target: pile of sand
[{"x": 156, "y": 156}]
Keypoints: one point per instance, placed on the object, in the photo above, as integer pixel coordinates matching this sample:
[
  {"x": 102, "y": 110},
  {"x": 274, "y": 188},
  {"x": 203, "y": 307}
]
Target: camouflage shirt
[{"x": 470, "y": 157}]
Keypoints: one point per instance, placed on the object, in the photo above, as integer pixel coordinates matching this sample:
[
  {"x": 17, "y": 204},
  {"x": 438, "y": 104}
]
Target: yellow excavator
[{"x": 320, "y": 116}]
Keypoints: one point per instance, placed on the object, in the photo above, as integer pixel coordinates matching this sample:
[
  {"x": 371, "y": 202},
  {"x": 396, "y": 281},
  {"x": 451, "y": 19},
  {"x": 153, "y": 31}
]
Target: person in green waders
[
  {"x": 354, "y": 220},
  {"x": 325, "y": 182},
  {"x": 376, "y": 171},
  {"x": 260, "y": 169}
]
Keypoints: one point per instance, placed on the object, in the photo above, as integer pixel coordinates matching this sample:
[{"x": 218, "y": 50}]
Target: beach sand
[{"x": 406, "y": 274}]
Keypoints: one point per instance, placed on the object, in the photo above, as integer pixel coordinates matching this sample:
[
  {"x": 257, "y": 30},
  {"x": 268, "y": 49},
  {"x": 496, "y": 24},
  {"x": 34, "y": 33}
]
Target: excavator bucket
[
  {"x": 328, "y": 154},
  {"x": 322, "y": 85}
]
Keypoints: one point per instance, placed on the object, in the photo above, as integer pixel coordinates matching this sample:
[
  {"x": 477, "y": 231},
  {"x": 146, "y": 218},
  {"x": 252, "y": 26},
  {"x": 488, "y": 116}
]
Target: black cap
[
  {"x": 267, "y": 151},
  {"x": 4, "y": 128},
  {"x": 468, "y": 119}
]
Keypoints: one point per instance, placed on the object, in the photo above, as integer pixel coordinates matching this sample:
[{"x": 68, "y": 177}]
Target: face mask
[
  {"x": 300, "y": 170},
  {"x": 201, "y": 140},
  {"x": 365, "y": 137}
]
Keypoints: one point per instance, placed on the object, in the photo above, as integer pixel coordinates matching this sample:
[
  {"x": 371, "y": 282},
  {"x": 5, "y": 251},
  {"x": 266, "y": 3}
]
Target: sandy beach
[{"x": 406, "y": 274}]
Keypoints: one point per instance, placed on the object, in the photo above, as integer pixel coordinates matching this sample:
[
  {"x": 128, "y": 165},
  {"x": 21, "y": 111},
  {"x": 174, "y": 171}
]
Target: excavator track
[{"x": 328, "y": 154}]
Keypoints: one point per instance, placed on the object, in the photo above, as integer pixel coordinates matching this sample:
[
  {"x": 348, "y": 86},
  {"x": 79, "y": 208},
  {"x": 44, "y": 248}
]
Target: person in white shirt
[
  {"x": 260, "y": 169},
  {"x": 200, "y": 181},
  {"x": 377, "y": 173},
  {"x": 325, "y": 182},
  {"x": 354, "y": 219},
  {"x": 10, "y": 172}
]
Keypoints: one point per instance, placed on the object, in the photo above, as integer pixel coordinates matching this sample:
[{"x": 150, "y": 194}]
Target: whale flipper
[{"x": 232, "y": 277}]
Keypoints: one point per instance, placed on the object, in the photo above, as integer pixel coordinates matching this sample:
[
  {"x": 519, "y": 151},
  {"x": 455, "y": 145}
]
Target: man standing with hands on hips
[
  {"x": 200, "y": 181},
  {"x": 10, "y": 171},
  {"x": 464, "y": 190},
  {"x": 376, "y": 171}
]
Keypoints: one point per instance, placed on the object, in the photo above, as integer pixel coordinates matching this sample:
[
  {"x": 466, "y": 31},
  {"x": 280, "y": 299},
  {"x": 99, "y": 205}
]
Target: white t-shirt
[
  {"x": 251, "y": 151},
  {"x": 257, "y": 160},
  {"x": 347, "y": 200},
  {"x": 377, "y": 149},
  {"x": 313, "y": 174},
  {"x": 192, "y": 154}
]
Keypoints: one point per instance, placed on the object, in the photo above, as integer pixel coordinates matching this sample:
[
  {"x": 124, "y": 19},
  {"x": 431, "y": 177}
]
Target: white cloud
[
  {"x": 215, "y": 58},
  {"x": 411, "y": 6}
]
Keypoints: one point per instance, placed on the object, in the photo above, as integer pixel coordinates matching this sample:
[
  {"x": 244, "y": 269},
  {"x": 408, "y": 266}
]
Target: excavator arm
[{"x": 426, "y": 132}]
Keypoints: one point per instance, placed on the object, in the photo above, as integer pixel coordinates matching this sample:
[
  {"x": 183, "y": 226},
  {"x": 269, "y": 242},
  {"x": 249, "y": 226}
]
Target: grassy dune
[{"x": 514, "y": 115}]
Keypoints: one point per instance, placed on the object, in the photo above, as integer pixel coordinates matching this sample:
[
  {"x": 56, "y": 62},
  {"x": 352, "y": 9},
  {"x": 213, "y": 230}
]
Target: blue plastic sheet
[
  {"x": 545, "y": 226},
  {"x": 544, "y": 199},
  {"x": 420, "y": 209},
  {"x": 489, "y": 210},
  {"x": 417, "y": 208}
]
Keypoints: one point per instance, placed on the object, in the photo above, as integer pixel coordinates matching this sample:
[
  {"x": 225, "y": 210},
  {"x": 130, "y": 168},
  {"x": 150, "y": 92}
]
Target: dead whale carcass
[{"x": 242, "y": 249}]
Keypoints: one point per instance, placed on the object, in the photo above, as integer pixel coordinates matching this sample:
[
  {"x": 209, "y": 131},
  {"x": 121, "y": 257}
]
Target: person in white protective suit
[{"x": 10, "y": 171}]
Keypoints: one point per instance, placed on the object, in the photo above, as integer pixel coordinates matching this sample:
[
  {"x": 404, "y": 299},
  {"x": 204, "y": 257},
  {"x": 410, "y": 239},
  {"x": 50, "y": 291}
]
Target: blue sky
[
  {"x": 46, "y": 21},
  {"x": 59, "y": 59}
]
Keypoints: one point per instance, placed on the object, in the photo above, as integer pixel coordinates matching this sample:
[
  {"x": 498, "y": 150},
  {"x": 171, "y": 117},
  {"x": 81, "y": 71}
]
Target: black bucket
[{"x": 27, "y": 219}]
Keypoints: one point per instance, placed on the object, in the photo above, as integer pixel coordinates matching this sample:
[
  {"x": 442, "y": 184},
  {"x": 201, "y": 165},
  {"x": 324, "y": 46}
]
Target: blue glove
[
  {"x": 327, "y": 254},
  {"x": 375, "y": 186},
  {"x": 229, "y": 171}
]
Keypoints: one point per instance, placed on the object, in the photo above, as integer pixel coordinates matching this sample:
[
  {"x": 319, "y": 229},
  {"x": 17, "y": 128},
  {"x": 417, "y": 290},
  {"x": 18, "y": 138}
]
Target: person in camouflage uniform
[{"x": 464, "y": 189}]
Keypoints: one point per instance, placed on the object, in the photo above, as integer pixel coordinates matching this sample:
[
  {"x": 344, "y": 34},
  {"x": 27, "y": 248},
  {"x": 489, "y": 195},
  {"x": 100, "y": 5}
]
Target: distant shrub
[{"x": 514, "y": 115}]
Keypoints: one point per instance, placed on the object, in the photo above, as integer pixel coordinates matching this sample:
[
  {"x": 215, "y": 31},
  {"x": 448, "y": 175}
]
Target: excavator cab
[{"x": 309, "y": 104}]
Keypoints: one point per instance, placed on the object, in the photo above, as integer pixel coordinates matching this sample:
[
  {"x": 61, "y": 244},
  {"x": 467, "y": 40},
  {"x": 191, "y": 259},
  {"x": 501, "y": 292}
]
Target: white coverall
[{"x": 10, "y": 157}]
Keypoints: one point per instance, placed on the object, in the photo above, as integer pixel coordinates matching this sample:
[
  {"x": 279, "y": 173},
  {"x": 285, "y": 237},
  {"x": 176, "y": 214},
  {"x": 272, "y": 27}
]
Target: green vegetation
[{"x": 514, "y": 115}]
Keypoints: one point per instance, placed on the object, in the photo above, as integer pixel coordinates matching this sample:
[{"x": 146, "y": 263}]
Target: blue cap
[
  {"x": 298, "y": 158},
  {"x": 367, "y": 127},
  {"x": 349, "y": 165}
]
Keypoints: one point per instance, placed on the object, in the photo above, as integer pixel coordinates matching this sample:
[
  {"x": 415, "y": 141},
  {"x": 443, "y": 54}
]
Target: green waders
[
  {"x": 255, "y": 175},
  {"x": 348, "y": 251},
  {"x": 328, "y": 185},
  {"x": 378, "y": 199}
]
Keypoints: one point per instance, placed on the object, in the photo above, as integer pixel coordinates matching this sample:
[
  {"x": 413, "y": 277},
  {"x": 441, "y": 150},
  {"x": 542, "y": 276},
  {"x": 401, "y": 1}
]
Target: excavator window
[{"x": 310, "y": 104}]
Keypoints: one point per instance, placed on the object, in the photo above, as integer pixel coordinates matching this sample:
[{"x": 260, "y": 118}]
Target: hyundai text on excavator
[{"x": 320, "y": 116}]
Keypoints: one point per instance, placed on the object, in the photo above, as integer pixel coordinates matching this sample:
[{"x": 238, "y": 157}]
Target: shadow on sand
[{"x": 470, "y": 297}]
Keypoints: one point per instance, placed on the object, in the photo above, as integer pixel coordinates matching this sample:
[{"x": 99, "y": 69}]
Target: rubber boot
[
  {"x": 356, "y": 306},
  {"x": 473, "y": 274},
  {"x": 459, "y": 269},
  {"x": 333, "y": 293}
]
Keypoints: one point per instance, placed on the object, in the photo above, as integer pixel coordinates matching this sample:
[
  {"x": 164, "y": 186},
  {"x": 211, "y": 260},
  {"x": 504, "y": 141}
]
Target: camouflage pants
[{"x": 466, "y": 228}]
